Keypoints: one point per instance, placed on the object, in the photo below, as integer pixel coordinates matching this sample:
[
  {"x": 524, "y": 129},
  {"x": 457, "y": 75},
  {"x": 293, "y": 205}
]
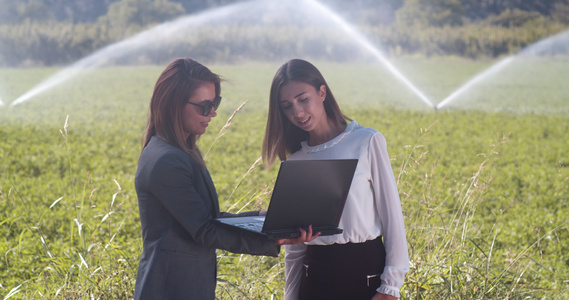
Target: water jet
[
  {"x": 517, "y": 66},
  {"x": 357, "y": 36},
  {"x": 216, "y": 26},
  {"x": 495, "y": 68}
]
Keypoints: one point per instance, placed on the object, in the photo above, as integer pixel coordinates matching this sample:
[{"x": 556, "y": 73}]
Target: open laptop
[{"x": 306, "y": 192}]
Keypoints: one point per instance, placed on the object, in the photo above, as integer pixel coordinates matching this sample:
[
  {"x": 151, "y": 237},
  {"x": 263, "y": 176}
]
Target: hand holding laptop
[{"x": 305, "y": 236}]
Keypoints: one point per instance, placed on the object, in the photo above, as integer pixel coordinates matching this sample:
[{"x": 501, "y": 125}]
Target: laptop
[{"x": 306, "y": 192}]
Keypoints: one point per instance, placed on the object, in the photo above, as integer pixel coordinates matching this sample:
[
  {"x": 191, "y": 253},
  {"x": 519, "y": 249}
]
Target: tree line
[
  {"x": 54, "y": 32},
  {"x": 434, "y": 12}
]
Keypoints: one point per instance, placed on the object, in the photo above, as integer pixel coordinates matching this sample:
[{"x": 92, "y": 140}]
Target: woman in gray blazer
[{"x": 176, "y": 196}]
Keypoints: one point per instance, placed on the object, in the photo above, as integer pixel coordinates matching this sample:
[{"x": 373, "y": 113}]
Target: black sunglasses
[{"x": 208, "y": 105}]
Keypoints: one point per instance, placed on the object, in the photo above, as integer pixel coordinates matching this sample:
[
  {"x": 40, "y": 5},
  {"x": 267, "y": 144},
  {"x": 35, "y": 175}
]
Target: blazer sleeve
[{"x": 178, "y": 184}]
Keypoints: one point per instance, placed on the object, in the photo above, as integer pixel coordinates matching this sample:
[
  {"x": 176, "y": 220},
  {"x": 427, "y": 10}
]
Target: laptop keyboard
[{"x": 255, "y": 226}]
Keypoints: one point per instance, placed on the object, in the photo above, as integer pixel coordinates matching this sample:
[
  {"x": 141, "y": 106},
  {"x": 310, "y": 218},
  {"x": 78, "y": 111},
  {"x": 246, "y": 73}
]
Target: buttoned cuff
[{"x": 388, "y": 290}]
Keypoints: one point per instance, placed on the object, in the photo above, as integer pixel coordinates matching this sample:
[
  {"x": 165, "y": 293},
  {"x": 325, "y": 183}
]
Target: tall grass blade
[
  {"x": 14, "y": 291},
  {"x": 222, "y": 130},
  {"x": 55, "y": 202}
]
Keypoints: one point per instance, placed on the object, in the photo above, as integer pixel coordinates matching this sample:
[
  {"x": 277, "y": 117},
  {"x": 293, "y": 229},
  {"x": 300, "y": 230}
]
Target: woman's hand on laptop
[{"x": 305, "y": 236}]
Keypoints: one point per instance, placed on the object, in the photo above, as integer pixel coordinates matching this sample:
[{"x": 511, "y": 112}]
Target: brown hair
[
  {"x": 283, "y": 138},
  {"x": 174, "y": 87}
]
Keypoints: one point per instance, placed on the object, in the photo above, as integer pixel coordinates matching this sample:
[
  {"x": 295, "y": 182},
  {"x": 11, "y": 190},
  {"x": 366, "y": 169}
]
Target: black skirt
[{"x": 342, "y": 271}]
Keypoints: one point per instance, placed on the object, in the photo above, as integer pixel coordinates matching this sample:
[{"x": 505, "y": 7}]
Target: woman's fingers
[{"x": 305, "y": 236}]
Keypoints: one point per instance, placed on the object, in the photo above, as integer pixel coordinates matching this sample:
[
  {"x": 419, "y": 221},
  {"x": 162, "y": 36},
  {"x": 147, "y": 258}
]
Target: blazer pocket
[{"x": 179, "y": 252}]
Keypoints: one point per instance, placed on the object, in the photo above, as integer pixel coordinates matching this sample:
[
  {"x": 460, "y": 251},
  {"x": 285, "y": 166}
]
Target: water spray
[
  {"x": 168, "y": 29},
  {"x": 541, "y": 47},
  {"x": 372, "y": 49},
  {"x": 495, "y": 68},
  {"x": 113, "y": 51}
]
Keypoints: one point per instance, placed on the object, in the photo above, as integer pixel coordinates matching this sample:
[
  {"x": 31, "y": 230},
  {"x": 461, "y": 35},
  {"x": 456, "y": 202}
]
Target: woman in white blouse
[{"x": 369, "y": 259}]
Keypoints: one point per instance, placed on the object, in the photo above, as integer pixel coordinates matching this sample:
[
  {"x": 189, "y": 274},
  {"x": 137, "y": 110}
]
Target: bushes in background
[{"x": 58, "y": 43}]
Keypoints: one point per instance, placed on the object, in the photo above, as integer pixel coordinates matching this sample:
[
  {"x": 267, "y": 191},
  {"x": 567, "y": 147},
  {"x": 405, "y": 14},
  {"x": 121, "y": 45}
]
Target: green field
[{"x": 483, "y": 184}]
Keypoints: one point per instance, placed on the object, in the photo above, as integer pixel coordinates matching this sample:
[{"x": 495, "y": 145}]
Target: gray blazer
[{"x": 177, "y": 201}]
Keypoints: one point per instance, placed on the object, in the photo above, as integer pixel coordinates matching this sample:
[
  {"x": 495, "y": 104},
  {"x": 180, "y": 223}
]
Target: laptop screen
[{"x": 309, "y": 192}]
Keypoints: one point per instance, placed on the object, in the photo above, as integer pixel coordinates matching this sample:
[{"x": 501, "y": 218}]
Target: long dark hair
[
  {"x": 283, "y": 138},
  {"x": 174, "y": 87}
]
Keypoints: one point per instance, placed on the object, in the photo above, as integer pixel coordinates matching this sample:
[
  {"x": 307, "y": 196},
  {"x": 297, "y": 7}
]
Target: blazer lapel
[{"x": 212, "y": 192}]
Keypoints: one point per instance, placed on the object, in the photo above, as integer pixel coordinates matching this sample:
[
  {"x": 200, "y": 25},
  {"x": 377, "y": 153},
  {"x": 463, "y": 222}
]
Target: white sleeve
[
  {"x": 389, "y": 210},
  {"x": 294, "y": 255}
]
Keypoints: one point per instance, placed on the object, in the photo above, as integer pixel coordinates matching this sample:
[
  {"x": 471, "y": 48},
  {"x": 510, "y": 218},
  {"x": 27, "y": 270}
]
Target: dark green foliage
[
  {"x": 481, "y": 9},
  {"x": 435, "y": 13},
  {"x": 54, "y": 33},
  {"x": 141, "y": 13},
  {"x": 32, "y": 44}
]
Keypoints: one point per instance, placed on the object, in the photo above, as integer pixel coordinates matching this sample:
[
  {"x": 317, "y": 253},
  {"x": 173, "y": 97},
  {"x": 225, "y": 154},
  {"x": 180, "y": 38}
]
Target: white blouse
[{"x": 372, "y": 208}]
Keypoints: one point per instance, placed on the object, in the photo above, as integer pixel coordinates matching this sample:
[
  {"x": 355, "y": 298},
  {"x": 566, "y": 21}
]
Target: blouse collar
[{"x": 329, "y": 144}]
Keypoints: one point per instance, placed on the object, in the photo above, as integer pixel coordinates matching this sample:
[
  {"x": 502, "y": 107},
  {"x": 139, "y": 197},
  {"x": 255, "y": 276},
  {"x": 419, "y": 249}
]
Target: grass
[{"x": 483, "y": 190}]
